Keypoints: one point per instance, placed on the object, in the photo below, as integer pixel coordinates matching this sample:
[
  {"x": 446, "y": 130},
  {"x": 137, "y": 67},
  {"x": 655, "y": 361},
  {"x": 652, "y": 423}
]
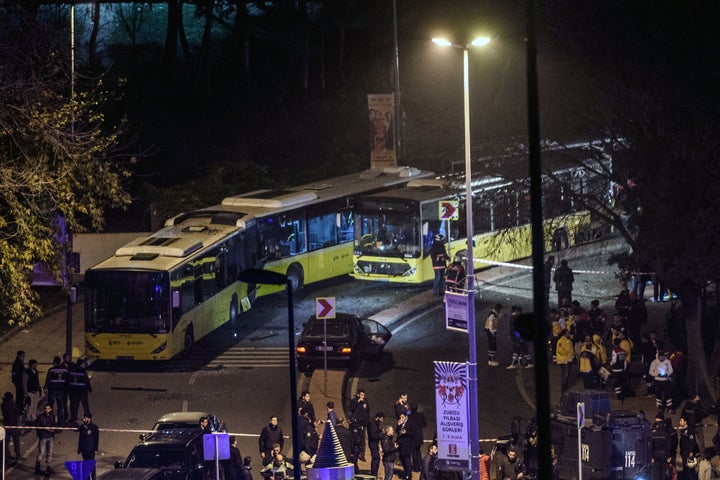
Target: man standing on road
[
  {"x": 56, "y": 382},
  {"x": 564, "y": 355},
  {"x": 491, "y": 329},
  {"x": 564, "y": 279},
  {"x": 439, "y": 258},
  {"x": 331, "y": 413},
  {"x": 11, "y": 417},
  {"x": 17, "y": 372},
  {"x": 418, "y": 420},
  {"x": 547, "y": 272},
  {"x": 359, "y": 419},
  {"x": 694, "y": 412},
  {"x": 661, "y": 370},
  {"x": 389, "y": 451},
  {"x": 46, "y": 436},
  {"x": 270, "y": 435},
  {"x": 79, "y": 388},
  {"x": 307, "y": 406},
  {"x": 401, "y": 405},
  {"x": 406, "y": 444},
  {"x": 31, "y": 387},
  {"x": 375, "y": 434},
  {"x": 88, "y": 440}
]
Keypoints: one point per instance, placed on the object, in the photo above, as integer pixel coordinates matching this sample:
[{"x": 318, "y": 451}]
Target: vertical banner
[
  {"x": 381, "y": 108},
  {"x": 451, "y": 416},
  {"x": 457, "y": 311}
]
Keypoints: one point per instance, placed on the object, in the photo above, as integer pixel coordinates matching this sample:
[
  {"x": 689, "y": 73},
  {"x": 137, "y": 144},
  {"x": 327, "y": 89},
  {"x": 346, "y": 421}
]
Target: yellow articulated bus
[
  {"x": 394, "y": 230},
  {"x": 306, "y": 232},
  {"x": 161, "y": 293}
]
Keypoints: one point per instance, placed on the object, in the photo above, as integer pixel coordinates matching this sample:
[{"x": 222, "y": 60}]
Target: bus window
[
  {"x": 344, "y": 224},
  {"x": 322, "y": 231},
  {"x": 292, "y": 234},
  {"x": 504, "y": 211}
]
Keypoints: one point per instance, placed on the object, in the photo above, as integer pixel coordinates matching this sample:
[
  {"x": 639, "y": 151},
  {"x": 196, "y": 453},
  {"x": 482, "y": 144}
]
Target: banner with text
[
  {"x": 457, "y": 311},
  {"x": 381, "y": 109},
  {"x": 451, "y": 416}
]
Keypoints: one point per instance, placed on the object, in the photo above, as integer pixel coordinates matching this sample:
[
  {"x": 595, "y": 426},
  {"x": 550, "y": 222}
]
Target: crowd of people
[{"x": 66, "y": 387}]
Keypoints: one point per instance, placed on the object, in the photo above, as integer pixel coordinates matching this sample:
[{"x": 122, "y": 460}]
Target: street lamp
[
  {"x": 472, "y": 362},
  {"x": 267, "y": 277}
]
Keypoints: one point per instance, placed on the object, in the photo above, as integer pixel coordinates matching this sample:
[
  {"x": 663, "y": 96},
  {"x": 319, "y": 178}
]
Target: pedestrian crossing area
[{"x": 252, "y": 357}]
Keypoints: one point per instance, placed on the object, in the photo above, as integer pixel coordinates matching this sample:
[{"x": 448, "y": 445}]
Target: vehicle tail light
[
  {"x": 346, "y": 350},
  {"x": 301, "y": 349}
]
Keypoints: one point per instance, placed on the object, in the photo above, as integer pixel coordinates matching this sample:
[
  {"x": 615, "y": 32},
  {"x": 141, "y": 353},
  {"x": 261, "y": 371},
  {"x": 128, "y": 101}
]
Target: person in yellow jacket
[{"x": 564, "y": 355}]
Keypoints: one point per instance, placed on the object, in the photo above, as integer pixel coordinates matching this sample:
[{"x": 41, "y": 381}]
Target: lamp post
[
  {"x": 267, "y": 277},
  {"x": 472, "y": 362}
]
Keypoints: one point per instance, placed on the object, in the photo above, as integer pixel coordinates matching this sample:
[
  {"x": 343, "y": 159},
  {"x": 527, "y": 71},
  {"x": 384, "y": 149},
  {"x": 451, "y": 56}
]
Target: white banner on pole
[
  {"x": 457, "y": 313},
  {"x": 451, "y": 415}
]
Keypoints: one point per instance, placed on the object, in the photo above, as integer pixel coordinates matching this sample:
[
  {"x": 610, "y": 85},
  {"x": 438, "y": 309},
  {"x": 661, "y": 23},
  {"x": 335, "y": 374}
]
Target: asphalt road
[{"x": 244, "y": 382}]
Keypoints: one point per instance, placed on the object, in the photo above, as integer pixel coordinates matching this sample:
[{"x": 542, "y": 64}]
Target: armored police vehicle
[{"x": 614, "y": 444}]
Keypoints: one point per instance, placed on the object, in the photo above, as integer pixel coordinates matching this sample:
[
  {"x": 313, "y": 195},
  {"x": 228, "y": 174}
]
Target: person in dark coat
[
  {"x": 564, "y": 279},
  {"x": 428, "y": 470},
  {"x": 246, "y": 472},
  {"x": 418, "y": 420},
  {"x": 16, "y": 374},
  {"x": 439, "y": 258},
  {"x": 375, "y": 434},
  {"x": 11, "y": 416},
  {"x": 88, "y": 440},
  {"x": 406, "y": 444},
  {"x": 232, "y": 467},
  {"x": 359, "y": 419},
  {"x": 345, "y": 437},
  {"x": 269, "y": 435},
  {"x": 389, "y": 451}
]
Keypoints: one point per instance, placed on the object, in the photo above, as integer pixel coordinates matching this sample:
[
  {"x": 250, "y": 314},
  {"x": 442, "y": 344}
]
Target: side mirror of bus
[
  {"x": 338, "y": 220},
  {"x": 176, "y": 299}
]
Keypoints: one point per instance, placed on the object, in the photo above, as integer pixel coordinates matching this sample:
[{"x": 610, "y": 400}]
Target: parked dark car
[
  {"x": 188, "y": 420},
  {"x": 346, "y": 339},
  {"x": 133, "y": 474},
  {"x": 178, "y": 453}
]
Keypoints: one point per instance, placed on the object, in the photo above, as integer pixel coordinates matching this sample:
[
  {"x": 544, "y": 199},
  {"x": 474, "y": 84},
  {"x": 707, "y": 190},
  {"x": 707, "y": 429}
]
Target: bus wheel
[
  {"x": 189, "y": 340},
  {"x": 560, "y": 241},
  {"x": 295, "y": 274},
  {"x": 233, "y": 318}
]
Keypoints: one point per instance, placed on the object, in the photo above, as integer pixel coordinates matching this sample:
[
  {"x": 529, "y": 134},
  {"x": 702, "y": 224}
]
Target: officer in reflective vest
[{"x": 56, "y": 382}]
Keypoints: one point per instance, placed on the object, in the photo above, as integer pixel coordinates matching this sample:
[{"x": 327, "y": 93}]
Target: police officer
[
  {"x": 694, "y": 412},
  {"x": 78, "y": 388},
  {"x": 56, "y": 382},
  {"x": 687, "y": 443},
  {"x": 359, "y": 419},
  {"x": 375, "y": 435},
  {"x": 660, "y": 444}
]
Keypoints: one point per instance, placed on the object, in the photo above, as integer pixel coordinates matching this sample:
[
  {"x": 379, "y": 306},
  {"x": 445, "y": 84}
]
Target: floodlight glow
[
  {"x": 441, "y": 42},
  {"x": 480, "y": 41}
]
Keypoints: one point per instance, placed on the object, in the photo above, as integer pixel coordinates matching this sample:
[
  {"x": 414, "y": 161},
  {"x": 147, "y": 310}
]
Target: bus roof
[
  {"x": 261, "y": 203},
  {"x": 173, "y": 244}
]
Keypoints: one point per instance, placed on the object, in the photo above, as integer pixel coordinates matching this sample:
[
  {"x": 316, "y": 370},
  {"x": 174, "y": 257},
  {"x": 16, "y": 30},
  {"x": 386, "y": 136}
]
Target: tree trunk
[
  {"x": 92, "y": 43},
  {"x": 171, "y": 35},
  {"x": 698, "y": 362}
]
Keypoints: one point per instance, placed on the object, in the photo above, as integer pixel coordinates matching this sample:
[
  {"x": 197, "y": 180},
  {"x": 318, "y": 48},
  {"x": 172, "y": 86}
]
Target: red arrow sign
[
  {"x": 448, "y": 210},
  {"x": 325, "y": 307}
]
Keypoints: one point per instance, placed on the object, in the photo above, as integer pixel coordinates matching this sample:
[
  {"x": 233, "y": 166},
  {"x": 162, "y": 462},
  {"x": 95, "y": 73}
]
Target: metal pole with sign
[
  {"x": 581, "y": 424},
  {"x": 324, "y": 309}
]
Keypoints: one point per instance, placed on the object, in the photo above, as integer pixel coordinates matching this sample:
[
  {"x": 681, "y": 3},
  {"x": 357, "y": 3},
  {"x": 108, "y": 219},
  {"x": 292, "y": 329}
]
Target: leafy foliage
[{"x": 57, "y": 158}]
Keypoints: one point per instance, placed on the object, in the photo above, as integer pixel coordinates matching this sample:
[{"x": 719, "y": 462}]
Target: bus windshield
[
  {"x": 123, "y": 301},
  {"x": 390, "y": 234}
]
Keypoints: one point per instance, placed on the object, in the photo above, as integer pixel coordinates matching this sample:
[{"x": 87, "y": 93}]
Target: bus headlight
[
  {"x": 91, "y": 348},
  {"x": 410, "y": 272},
  {"x": 161, "y": 348}
]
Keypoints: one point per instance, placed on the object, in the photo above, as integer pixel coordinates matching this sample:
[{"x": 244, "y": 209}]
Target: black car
[
  {"x": 346, "y": 339},
  {"x": 178, "y": 453}
]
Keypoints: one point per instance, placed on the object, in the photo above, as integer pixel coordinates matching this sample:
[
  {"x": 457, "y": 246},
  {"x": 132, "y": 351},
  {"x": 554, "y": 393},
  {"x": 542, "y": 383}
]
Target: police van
[{"x": 614, "y": 444}]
